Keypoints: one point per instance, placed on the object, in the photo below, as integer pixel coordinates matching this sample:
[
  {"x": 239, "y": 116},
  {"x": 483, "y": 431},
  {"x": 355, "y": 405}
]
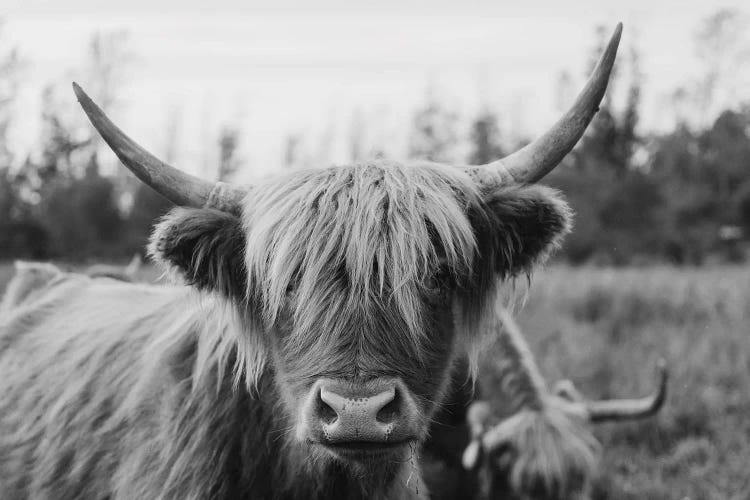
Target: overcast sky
[{"x": 320, "y": 69}]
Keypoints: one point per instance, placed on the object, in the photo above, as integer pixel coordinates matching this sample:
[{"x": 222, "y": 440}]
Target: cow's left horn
[
  {"x": 532, "y": 162},
  {"x": 627, "y": 409},
  {"x": 175, "y": 185}
]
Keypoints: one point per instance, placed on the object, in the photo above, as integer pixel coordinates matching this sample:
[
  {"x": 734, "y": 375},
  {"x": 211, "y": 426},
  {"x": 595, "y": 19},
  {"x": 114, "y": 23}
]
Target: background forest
[{"x": 681, "y": 196}]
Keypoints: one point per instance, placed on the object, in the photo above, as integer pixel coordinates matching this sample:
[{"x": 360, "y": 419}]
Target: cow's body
[{"x": 139, "y": 403}]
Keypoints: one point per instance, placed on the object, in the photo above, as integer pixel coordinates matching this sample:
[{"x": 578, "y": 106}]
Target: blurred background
[{"x": 237, "y": 90}]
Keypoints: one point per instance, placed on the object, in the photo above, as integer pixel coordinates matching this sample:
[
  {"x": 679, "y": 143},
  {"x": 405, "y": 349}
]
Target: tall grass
[{"x": 605, "y": 329}]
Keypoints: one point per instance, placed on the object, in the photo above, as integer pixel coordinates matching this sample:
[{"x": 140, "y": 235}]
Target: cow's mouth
[{"x": 358, "y": 450}]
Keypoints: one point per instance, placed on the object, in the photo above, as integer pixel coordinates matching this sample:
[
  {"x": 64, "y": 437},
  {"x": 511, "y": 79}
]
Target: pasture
[{"x": 605, "y": 328}]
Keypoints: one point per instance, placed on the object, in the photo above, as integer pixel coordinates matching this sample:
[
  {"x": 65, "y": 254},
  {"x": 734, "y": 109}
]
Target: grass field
[{"x": 605, "y": 329}]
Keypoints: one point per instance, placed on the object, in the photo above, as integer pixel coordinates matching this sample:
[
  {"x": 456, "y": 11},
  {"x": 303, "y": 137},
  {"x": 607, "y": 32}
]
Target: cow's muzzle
[{"x": 355, "y": 419}]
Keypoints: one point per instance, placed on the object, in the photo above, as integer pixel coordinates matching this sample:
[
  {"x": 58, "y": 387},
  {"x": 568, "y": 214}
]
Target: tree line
[{"x": 681, "y": 197}]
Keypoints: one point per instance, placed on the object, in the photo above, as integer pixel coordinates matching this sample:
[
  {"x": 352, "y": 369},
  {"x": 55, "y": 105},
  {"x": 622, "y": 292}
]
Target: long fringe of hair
[{"x": 349, "y": 240}]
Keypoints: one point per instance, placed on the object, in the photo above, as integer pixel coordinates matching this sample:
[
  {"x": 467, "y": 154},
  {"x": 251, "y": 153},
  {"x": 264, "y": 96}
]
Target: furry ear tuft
[
  {"x": 205, "y": 246},
  {"x": 525, "y": 224}
]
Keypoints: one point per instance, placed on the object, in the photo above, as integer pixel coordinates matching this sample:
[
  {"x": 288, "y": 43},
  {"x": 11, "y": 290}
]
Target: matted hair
[
  {"x": 349, "y": 243},
  {"x": 382, "y": 225}
]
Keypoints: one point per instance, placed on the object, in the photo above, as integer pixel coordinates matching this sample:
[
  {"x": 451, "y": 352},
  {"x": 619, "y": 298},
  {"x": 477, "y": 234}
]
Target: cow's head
[{"x": 361, "y": 284}]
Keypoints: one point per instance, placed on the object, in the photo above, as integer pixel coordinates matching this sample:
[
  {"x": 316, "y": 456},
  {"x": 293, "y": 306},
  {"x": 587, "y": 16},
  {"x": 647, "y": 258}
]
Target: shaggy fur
[
  {"x": 539, "y": 455},
  {"x": 540, "y": 450},
  {"x": 129, "y": 391},
  {"x": 29, "y": 279}
]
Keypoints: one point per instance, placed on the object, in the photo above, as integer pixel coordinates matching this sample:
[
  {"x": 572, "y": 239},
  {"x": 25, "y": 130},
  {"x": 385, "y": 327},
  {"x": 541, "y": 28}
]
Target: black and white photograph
[{"x": 391, "y": 250}]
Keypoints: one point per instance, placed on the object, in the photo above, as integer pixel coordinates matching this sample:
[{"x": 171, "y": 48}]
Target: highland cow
[{"x": 310, "y": 345}]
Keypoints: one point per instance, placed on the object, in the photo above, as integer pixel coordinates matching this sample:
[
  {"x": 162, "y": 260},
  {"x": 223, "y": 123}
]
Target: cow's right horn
[
  {"x": 537, "y": 159},
  {"x": 175, "y": 185}
]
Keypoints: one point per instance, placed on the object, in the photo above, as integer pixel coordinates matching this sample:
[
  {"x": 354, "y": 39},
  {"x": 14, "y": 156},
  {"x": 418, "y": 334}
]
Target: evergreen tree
[
  {"x": 228, "y": 161},
  {"x": 434, "y": 135},
  {"x": 485, "y": 139}
]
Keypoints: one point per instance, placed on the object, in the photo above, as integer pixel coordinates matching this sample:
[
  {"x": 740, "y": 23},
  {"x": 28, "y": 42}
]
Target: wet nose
[
  {"x": 362, "y": 411},
  {"x": 373, "y": 414}
]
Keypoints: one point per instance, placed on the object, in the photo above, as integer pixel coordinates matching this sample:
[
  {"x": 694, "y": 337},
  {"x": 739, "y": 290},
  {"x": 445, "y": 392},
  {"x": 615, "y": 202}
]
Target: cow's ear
[
  {"x": 524, "y": 225},
  {"x": 205, "y": 246}
]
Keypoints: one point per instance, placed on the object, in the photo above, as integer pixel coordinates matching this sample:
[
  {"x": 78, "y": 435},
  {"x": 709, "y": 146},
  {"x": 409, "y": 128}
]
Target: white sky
[{"x": 317, "y": 68}]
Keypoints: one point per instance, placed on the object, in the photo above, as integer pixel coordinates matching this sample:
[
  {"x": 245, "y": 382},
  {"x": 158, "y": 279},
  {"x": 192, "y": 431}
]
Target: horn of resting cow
[
  {"x": 603, "y": 410},
  {"x": 627, "y": 409},
  {"x": 574, "y": 404},
  {"x": 619, "y": 409}
]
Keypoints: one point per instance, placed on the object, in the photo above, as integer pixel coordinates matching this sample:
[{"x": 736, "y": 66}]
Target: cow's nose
[
  {"x": 364, "y": 409},
  {"x": 347, "y": 414}
]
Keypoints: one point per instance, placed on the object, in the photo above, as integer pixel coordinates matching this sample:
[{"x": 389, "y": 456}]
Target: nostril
[
  {"x": 325, "y": 413},
  {"x": 390, "y": 411},
  {"x": 358, "y": 409}
]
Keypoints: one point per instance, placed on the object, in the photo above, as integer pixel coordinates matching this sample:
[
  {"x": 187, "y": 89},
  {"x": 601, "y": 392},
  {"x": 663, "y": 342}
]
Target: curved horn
[
  {"x": 532, "y": 162},
  {"x": 627, "y": 409},
  {"x": 175, "y": 185}
]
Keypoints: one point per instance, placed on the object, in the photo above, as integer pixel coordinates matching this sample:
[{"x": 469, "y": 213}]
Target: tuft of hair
[
  {"x": 540, "y": 455},
  {"x": 223, "y": 343},
  {"x": 517, "y": 228},
  {"x": 527, "y": 224},
  {"x": 349, "y": 238},
  {"x": 204, "y": 247}
]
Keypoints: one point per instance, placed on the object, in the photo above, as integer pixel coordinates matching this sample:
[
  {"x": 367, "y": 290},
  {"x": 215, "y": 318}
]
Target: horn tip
[
  {"x": 607, "y": 60},
  {"x": 614, "y": 41},
  {"x": 80, "y": 94},
  {"x": 617, "y": 34},
  {"x": 663, "y": 371},
  {"x": 661, "y": 394},
  {"x": 662, "y": 368}
]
